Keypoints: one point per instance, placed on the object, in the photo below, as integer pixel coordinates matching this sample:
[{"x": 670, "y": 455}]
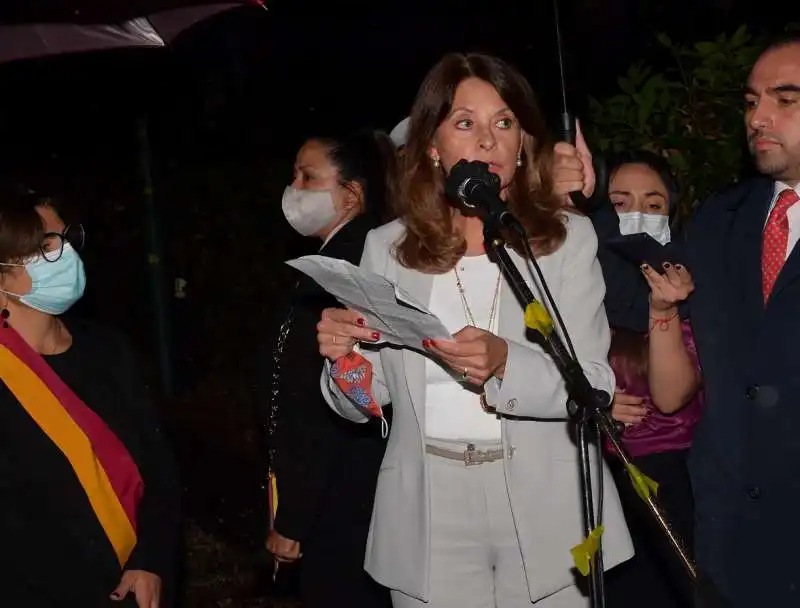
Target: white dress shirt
[{"x": 453, "y": 411}]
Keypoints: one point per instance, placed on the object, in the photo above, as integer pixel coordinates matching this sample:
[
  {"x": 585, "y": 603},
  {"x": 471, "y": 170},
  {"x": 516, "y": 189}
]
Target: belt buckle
[{"x": 469, "y": 454}]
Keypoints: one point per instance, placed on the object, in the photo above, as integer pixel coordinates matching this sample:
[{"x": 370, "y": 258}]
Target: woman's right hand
[
  {"x": 669, "y": 289},
  {"x": 627, "y": 409},
  {"x": 340, "y": 329}
]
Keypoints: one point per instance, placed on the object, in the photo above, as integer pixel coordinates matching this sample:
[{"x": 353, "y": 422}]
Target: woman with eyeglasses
[{"x": 89, "y": 496}]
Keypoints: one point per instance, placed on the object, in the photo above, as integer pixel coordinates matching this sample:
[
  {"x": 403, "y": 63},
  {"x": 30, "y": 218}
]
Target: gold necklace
[
  {"x": 465, "y": 304},
  {"x": 471, "y": 320}
]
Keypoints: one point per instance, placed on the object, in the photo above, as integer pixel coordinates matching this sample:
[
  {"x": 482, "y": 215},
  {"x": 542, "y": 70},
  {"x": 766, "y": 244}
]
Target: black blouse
[{"x": 326, "y": 467}]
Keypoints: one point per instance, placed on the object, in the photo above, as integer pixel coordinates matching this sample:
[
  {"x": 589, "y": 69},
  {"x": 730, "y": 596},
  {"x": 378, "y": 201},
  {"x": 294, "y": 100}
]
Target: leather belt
[{"x": 469, "y": 457}]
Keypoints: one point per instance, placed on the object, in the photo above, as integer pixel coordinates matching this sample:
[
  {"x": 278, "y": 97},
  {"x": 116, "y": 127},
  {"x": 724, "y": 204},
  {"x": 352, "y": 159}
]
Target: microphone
[{"x": 478, "y": 189}]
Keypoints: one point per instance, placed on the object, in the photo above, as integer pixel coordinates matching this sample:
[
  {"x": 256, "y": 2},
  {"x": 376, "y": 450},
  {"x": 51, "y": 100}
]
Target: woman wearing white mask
[
  {"x": 89, "y": 498},
  {"x": 641, "y": 192},
  {"x": 323, "y": 470},
  {"x": 659, "y": 395}
]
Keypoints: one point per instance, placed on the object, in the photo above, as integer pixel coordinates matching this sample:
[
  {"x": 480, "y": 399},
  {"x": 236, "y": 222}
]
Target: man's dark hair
[{"x": 787, "y": 40}]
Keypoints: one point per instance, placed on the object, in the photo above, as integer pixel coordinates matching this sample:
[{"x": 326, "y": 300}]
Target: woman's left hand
[
  {"x": 475, "y": 355},
  {"x": 145, "y": 586},
  {"x": 572, "y": 168},
  {"x": 283, "y": 549}
]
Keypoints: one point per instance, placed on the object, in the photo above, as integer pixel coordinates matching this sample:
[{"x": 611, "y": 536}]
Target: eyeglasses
[{"x": 53, "y": 244}]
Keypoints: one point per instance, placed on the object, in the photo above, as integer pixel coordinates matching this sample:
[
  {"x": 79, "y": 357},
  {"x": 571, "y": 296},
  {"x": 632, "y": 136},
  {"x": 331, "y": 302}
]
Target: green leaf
[
  {"x": 740, "y": 36},
  {"x": 626, "y": 84},
  {"x": 690, "y": 110},
  {"x": 706, "y": 48}
]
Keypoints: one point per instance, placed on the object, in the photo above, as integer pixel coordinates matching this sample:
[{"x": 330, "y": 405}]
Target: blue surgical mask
[{"x": 55, "y": 286}]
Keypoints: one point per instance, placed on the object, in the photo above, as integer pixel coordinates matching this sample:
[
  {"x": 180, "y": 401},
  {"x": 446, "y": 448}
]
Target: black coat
[{"x": 326, "y": 467}]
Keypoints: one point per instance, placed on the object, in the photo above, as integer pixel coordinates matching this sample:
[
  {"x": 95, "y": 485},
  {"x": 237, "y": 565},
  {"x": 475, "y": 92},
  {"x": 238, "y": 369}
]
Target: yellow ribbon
[
  {"x": 643, "y": 485},
  {"x": 583, "y": 554},
  {"x": 538, "y": 319}
]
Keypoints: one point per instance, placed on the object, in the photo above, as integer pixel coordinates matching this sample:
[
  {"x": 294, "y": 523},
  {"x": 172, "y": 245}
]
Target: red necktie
[{"x": 775, "y": 241}]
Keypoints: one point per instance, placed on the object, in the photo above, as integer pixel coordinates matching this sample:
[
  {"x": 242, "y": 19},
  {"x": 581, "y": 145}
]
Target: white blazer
[{"x": 541, "y": 463}]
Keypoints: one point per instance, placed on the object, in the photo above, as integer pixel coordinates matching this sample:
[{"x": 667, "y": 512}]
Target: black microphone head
[{"x": 465, "y": 176}]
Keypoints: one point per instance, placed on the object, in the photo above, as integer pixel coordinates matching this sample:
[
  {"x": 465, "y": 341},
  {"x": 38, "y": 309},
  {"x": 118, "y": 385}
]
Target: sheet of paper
[{"x": 388, "y": 309}]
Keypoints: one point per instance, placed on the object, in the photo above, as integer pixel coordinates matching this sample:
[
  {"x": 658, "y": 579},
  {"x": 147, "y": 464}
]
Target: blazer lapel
[
  {"x": 744, "y": 248},
  {"x": 419, "y": 286}
]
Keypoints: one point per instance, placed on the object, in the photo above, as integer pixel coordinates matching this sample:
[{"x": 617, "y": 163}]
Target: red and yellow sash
[{"x": 101, "y": 462}]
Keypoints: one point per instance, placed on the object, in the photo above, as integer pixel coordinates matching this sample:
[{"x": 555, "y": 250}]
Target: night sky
[{"x": 257, "y": 81}]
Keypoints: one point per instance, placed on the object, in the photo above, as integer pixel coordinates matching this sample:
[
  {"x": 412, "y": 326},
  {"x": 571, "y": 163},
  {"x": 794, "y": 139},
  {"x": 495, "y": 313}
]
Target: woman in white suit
[{"x": 478, "y": 500}]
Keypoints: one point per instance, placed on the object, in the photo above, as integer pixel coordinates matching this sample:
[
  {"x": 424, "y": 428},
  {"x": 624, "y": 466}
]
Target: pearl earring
[
  {"x": 437, "y": 163},
  {"x": 519, "y": 160}
]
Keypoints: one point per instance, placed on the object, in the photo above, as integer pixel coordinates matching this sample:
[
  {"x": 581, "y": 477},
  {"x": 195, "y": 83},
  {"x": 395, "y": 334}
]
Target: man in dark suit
[
  {"x": 740, "y": 249},
  {"x": 746, "y": 314}
]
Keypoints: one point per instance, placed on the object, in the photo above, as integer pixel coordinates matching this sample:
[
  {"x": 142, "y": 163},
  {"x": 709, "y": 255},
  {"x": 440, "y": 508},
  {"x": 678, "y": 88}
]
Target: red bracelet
[{"x": 662, "y": 323}]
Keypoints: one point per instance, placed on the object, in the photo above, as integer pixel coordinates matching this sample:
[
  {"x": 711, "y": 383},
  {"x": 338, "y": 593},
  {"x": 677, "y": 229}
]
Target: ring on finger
[{"x": 465, "y": 374}]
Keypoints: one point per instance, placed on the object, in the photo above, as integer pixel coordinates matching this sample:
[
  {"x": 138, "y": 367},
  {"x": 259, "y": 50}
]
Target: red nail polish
[
  {"x": 426, "y": 343},
  {"x": 361, "y": 322},
  {"x": 375, "y": 335}
]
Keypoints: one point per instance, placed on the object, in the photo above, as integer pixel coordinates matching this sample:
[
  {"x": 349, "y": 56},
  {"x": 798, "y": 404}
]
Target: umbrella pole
[{"x": 155, "y": 260}]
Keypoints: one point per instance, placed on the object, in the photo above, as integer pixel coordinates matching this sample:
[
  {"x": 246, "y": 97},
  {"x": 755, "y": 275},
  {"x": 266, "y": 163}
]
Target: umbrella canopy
[
  {"x": 92, "y": 12},
  {"x": 37, "y": 28}
]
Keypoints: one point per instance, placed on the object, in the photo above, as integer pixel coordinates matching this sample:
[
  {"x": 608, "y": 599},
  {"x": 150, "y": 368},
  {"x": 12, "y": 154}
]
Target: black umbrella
[
  {"x": 93, "y": 12},
  {"x": 45, "y": 27}
]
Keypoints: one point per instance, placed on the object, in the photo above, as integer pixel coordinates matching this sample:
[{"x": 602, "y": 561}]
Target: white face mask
[
  {"x": 656, "y": 225},
  {"x": 308, "y": 211}
]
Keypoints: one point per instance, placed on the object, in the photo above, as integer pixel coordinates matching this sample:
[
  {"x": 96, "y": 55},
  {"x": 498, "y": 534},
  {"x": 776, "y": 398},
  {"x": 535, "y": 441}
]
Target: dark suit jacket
[
  {"x": 747, "y": 444},
  {"x": 326, "y": 467}
]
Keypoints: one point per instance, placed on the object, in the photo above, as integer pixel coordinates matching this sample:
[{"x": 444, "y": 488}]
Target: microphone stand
[{"x": 586, "y": 405}]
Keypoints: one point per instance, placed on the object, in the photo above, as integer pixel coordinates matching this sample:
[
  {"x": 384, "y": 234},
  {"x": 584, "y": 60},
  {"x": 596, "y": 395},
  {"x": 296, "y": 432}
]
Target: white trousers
[{"x": 475, "y": 555}]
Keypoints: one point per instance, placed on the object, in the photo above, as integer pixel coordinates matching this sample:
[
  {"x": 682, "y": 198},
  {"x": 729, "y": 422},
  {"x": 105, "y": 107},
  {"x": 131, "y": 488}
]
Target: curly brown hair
[{"x": 430, "y": 243}]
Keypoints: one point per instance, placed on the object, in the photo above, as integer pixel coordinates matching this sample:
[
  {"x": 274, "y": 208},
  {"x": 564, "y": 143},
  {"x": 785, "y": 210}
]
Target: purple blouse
[{"x": 660, "y": 432}]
